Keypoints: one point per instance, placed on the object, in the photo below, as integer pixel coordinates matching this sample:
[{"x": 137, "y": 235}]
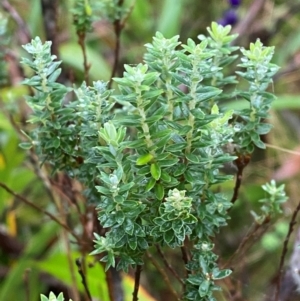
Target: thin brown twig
[
  {"x": 72, "y": 200},
  {"x": 185, "y": 256},
  {"x": 33, "y": 160},
  {"x": 34, "y": 206},
  {"x": 117, "y": 283},
  {"x": 285, "y": 249},
  {"x": 163, "y": 274},
  {"x": 285, "y": 150},
  {"x": 110, "y": 285},
  {"x": 240, "y": 250},
  {"x": 241, "y": 162},
  {"x": 168, "y": 265},
  {"x": 130, "y": 10},
  {"x": 118, "y": 27},
  {"x": 83, "y": 278},
  {"x": 74, "y": 287},
  {"x": 137, "y": 277},
  {"x": 64, "y": 195},
  {"x": 49, "y": 10},
  {"x": 24, "y": 35},
  {"x": 86, "y": 65}
]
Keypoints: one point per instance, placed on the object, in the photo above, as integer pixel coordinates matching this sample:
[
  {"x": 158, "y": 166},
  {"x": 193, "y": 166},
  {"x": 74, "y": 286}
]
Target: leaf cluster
[{"x": 52, "y": 297}]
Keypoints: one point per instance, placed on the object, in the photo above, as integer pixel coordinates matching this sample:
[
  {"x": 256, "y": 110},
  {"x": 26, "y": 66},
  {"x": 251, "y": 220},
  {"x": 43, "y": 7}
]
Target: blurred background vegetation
[{"x": 36, "y": 255}]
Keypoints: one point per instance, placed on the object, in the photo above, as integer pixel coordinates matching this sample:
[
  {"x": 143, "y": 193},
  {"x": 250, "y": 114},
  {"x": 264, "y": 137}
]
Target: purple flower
[
  {"x": 229, "y": 18},
  {"x": 222, "y": 22},
  {"x": 234, "y": 2}
]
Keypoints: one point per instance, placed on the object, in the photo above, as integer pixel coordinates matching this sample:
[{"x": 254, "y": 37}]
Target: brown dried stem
[
  {"x": 241, "y": 248},
  {"x": 137, "y": 277},
  {"x": 168, "y": 265},
  {"x": 86, "y": 65},
  {"x": 186, "y": 257},
  {"x": 241, "y": 162},
  {"x": 163, "y": 274},
  {"x": 24, "y": 34},
  {"x": 284, "y": 250},
  {"x": 118, "y": 27},
  {"x": 49, "y": 12},
  {"x": 114, "y": 284},
  {"x": 74, "y": 288},
  {"x": 80, "y": 266}
]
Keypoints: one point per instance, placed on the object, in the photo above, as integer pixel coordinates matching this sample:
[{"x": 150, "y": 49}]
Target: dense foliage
[
  {"x": 134, "y": 157},
  {"x": 150, "y": 167}
]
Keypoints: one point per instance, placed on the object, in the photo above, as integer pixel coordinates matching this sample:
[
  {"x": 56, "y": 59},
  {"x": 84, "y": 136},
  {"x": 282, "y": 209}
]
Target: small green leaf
[
  {"x": 56, "y": 142},
  {"x": 111, "y": 259},
  {"x": 168, "y": 162},
  {"x": 132, "y": 243},
  {"x": 204, "y": 288},
  {"x": 159, "y": 191},
  {"x": 192, "y": 158},
  {"x": 26, "y": 145},
  {"x": 184, "y": 130},
  {"x": 155, "y": 171},
  {"x": 176, "y": 147},
  {"x": 168, "y": 236},
  {"x": 194, "y": 280},
  {"x": 263, "y": 128},
  {"x": 216, "y": 275},
  {"x": 150, "y": 78},
  {"x": 153, "y": 119},
  {"x": 150, "y": 184},
  {"x": 188, "y": 176},
  {"x": 258, "y": 143},
  {"x": 142, "y": 242},
  {"x": 180, "y": 169},
  {"x": 133, "y": 144},
  {"x": 52, "y": 297},
  {"x": 126, "y": 187},
  {"x": 144, "y": 159},
  {"x": 205, "y": 93},
  {"x": 144, "y": 170},
  {"x": 152, "y": 94},
  {"x": 161, "y": 134},
  {"x": 128, "y": 226},
  {"x": 103, "y": 190},
  {"x": 165, "y": 177},
  {"x": 223, "y": 159}
]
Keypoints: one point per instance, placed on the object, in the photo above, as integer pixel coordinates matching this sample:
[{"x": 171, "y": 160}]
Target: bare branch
[
  {"x": 24, "y": 35},
  {"x": 284, "y": 250},
  {"x": 138, "y": 272},
  {"x": 34, "y": 206},
  {"x": 241, "y": 162},
  {"x": 164, "y": 275},
  {"x": 168, "y": 265}
]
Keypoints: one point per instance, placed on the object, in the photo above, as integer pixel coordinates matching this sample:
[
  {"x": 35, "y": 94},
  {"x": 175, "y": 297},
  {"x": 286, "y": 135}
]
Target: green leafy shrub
[{"x": 151, "y": 164}]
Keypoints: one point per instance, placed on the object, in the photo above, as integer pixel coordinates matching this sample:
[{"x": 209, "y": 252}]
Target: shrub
[{"x": 150, "y": 154}]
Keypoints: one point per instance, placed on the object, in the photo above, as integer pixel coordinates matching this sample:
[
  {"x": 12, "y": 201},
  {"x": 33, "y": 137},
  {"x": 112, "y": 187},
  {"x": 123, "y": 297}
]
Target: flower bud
[{"x": 234, "y": 2}]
